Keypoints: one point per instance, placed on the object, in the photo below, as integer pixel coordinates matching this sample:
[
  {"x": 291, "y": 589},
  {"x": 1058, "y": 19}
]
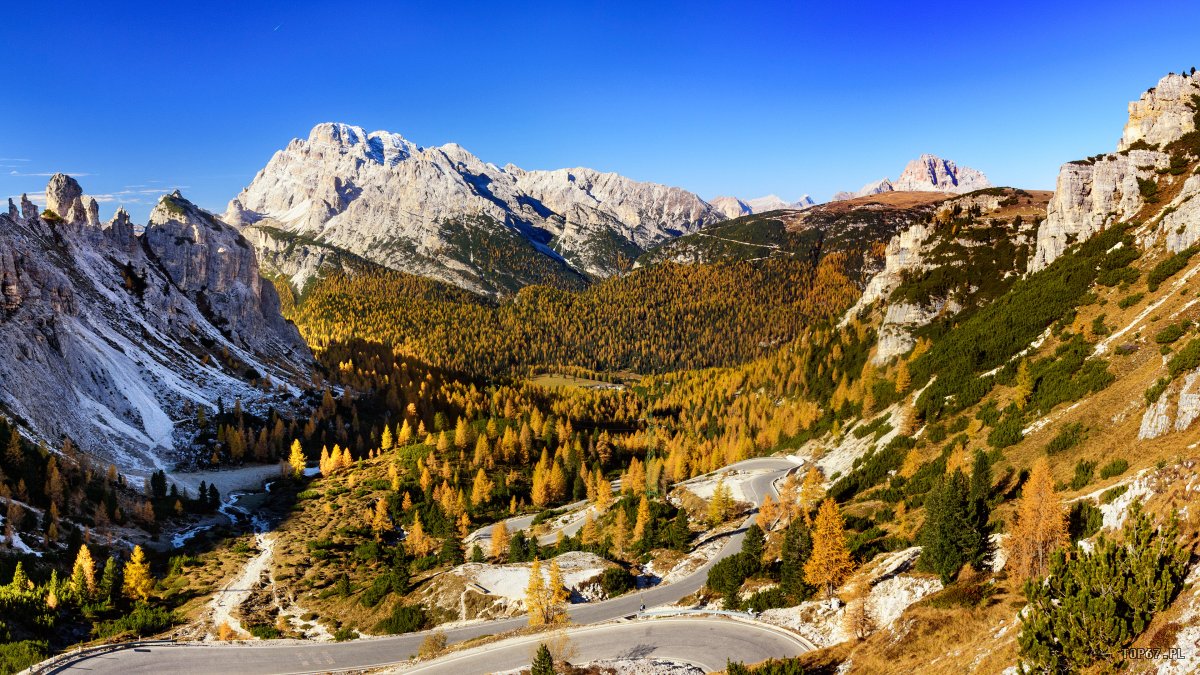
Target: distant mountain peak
[{"x": 927, "y": 173}]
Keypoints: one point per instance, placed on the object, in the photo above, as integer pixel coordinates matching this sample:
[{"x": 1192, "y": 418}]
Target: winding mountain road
[{"x": 271, "y": 657}]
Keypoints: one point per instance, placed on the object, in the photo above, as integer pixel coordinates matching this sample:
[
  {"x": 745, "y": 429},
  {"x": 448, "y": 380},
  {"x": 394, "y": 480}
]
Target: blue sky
[{"x": 719, "y": 98}]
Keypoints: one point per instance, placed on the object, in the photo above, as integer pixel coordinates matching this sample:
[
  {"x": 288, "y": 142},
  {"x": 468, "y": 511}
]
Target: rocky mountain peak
[
  {"x": 1163, "y": 113},
  {"x": 64, "y": 196},
  {"x": 927, "y": 173},
  {"x": 438, "y": 211}
]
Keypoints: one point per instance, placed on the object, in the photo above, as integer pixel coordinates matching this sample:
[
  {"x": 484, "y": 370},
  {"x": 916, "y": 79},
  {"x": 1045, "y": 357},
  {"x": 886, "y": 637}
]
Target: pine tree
[
  {"x": 903, "y": 379},
  {"x": 500, "y": 540},
  {"x": 830, "y": 563},
  {"x": 296, "y": 459},
  {"x": 83, "y": 575},
  {"x": 679, "y": 534},
  {"x": 980, "y": 509},
  {"x": 543, "y": 663},
  {"x": 1023, "y": 385},
  {"x": 137, "y": 580},
  {"x": 1040, "y": 526},
  {"x": 477, "y": 554},
  {"x": 19, "y": 580},
  {"x": 109, "y": 583},
  {"x": 949, "y": 538},
  {"x": 753, "y": 545},
  {"x": 795, "y": 552}
]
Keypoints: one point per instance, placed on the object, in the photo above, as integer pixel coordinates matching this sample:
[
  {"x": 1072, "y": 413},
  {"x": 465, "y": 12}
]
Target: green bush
[
  {"x": 1114, "y": 468},
  {"x": 1130, "y": 300},
  {"x": 1111, "y": 494},
  {"x": 1083, "y": 520},
  {"x": 1170, "y": 334},
  {"x": 768, "y": 667},
  {"x": 1083, "y": 474},
  {"x": 264, "y": 632},
  {"x": 403, "y": 619},
  {"x": 617, "y": 581},
  {"x": 142, "y": 620},
  {"x": 1094, "y": 603},
  {"x": 345, "y": 634},
  {"x": 1167, "y": 268},
  {"x": 1067, "y": 438},
  {"x": 17, "y": 656}
]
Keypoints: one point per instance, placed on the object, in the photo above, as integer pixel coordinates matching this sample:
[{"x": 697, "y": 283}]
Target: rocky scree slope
[
  {"x": 112, "y": 338},
  {"x": 442, "y": 212}
]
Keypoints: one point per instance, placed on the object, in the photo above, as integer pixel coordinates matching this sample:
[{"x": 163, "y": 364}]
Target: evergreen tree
[
  {"x": 109, "y": 582},
  {"x": 1094, "y": 603},
  {"x": 949, "y": 538},
  {"x": 679, "y": 536},
  {"x": 477, "y": 554},
  {"x": 980, "y": 508},
  {"x": 543, "y": 663},
  {"x": 753, "y": 545},
  {"x": 796, "y": 549}
]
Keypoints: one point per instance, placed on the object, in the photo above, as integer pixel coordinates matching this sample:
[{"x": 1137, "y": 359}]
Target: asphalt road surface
[{"x": 267, "y": 656}]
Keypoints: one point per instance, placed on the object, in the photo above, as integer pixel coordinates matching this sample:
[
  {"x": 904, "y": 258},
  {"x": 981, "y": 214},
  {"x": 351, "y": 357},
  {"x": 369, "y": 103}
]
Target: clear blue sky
[{"x": 720, "y": 98}]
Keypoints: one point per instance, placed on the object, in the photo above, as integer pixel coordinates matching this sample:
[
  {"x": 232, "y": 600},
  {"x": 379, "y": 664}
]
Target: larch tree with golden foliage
[
  {"x": 557, "y": 595},
  {"x": 418, "y": 543},
  {"x": 500, "y": 539},
  {"x": 381, "y": 523},
  {"x": 830, "y": 563},
  {"x": 296, "y": 459},
  {"x": 83, "y": 575},
  {"x": 137, "y": 580},
  {"x": 1040, "y": 527},
  {"x": 643, "y": 519},
  {"x": 537, "y": 596}
]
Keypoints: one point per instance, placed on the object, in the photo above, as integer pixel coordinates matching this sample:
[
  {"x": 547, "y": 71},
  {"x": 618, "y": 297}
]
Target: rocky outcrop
[
  {"x": 64, "y": 198},
  {"x": 1089, "y": 196},
  {"x": 904, "y": 254},
  {"x": 1094, "y": 193},
  {"x": 431, "y": 211},
  {"x": 1180, "y": 224},
  {"x": 107, "y": 341},
  {"x": 927, "y": 173},
  {"x": 1175, "y": 410},
  {"x": 1164, "y": 113}
]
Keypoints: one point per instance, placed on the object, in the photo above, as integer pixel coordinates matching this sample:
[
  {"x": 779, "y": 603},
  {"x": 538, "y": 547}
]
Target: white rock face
[
  {"x": 432, "y": 211},
  {"x": 775, "y": 203},
  {"x": 104, "y": 337},
  {"x": 1092, "y": 194},
  {"x": 1164, "y": 113},
  {"x": 1175, "y": 410},
  {"x": 1089, "y": 196},
  {"x": 927, "y": 173},
  {"x": 731, "y": 207}
]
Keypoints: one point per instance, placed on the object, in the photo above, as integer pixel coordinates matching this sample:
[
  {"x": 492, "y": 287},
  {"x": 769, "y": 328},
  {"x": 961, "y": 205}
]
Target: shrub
[
  {"x": 1083, "y": 520},
  {"x": 345, "y": 634},
  {"x": 1114, "y": 468},
  {"x": 1067, "y": 438},
  {"x": 616, "y": 581},
  {"x": 1083, "y": 474},
  {"x": 1167, "y": 268},
  {"x": 142, "y": 620},
  {"x": 770, "y": 598},
  {"x": 17, "y": 656},
  {"x": 1130, "y": 300},
  {"x": 403, "y": 619},
  {"x": 1170, "y": 334},
  {"x": 1093, "y": 603},
  {"x": 265, "y": 632},
  {"x": 1110, "y": 495},
  {"x": 962, "y": 594},
  {"x": 768, "y": 667}
]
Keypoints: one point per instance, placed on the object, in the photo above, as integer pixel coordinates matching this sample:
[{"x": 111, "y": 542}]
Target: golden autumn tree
[
  {"x": 137, "y": 580},
  {"x": 380, "y": 522},
  {"x": 620, "y": 533},
  {"x": 557, "y": 595},
  {"x": 589, "y": 535},
  {"x": 386, "y": 442},
  {"x": 418, "y": 543},
  {"x": 829, "y": 564},
  {"x": 768, "y": 513},
  {"x": 537, "y": 596},
  {"x": 83, "y": 575},
  {"x": 643, "y": 519},
  {"x": 500, "y": 538},
  {"x": 481, "y": 489},
  {"x": 296, "y": 459},
  {"x": 1040, "y": 526}
]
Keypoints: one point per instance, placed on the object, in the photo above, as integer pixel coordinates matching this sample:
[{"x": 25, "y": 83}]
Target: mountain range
[{"x": 927, "y": 173}]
